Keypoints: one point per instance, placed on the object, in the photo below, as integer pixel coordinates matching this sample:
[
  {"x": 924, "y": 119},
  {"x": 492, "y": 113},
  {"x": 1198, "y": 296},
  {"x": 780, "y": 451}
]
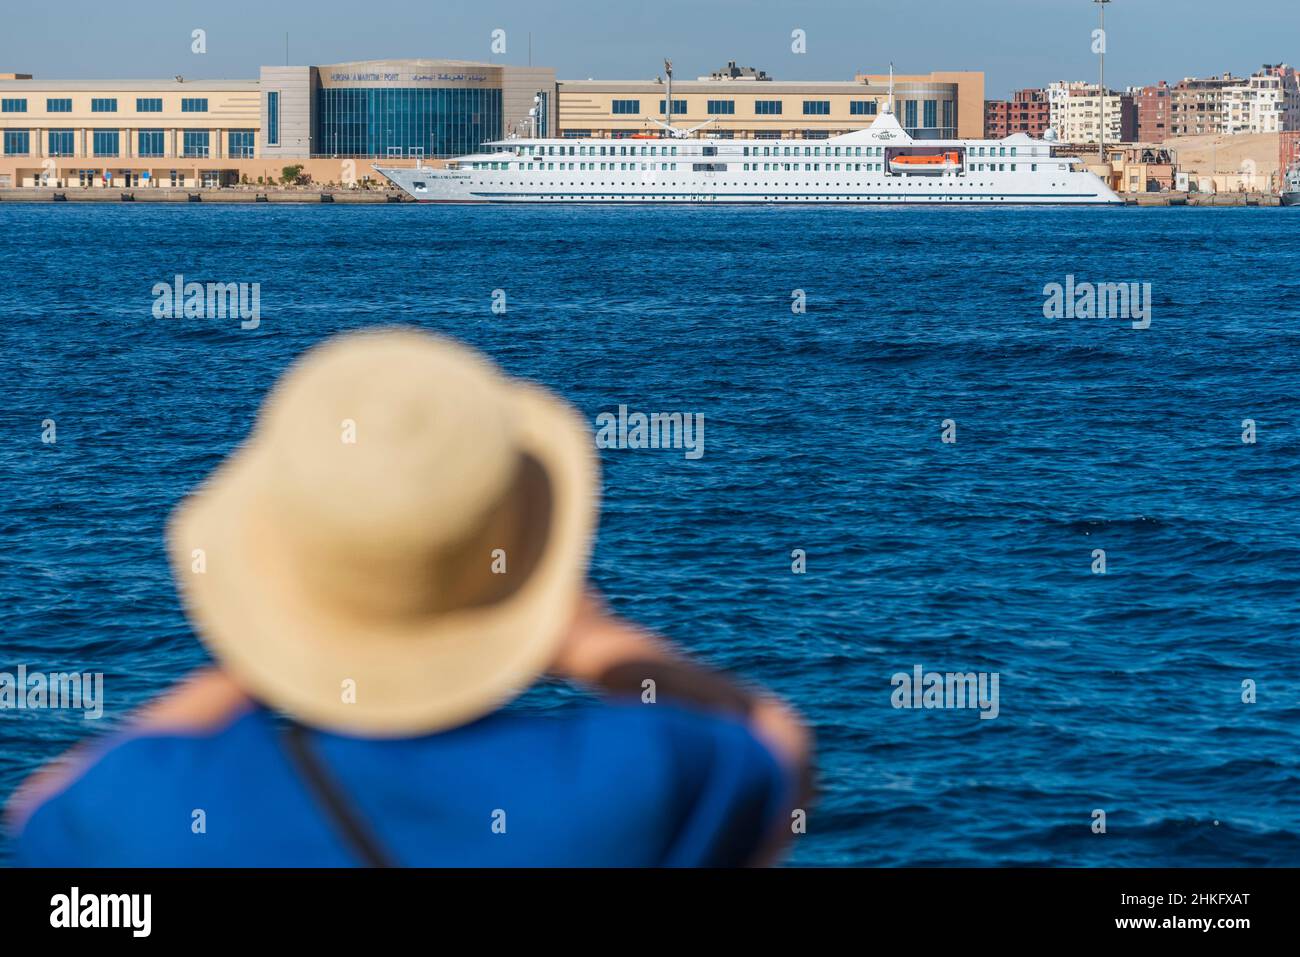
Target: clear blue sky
[{"x": 1016, "y": 42}]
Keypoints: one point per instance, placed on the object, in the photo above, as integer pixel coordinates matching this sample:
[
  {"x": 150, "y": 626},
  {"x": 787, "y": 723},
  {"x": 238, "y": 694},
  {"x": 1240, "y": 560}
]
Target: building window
[
  {"x": 13, "y": 106},
  {"x": 767, "y": 108},
  {"x": 947, "y": 114},
  {"x": 577, "y": 135},
  {"x": 273, "y": 118},
  {"x": 625, "y": 107},
  {"x": 53, "y": 105},
  {"x": 194, "y": 104},
  {"x": 148, "y": 104},
  {"x": 149, "y": 143},
  {"x": 103, "y": 105},
  {"x": 722, "y": 107},
  {"x": 862, "y": 107},
  {"x": 679, "y": 106},
  {"x": 409, "y": 121},
  {"x": 816, "y": 107},
  {"x": 909, "y": 114},
  {"x": 195, "y": 143},
  {"x": 239, "y": 144},
  {"x": 60, "y": 143},
  {"x": 543, "y": 113},
  {"x": 105, "y": 142},
  {"x": 18, "y": 142},
  {"x": 931, "y": 114}
]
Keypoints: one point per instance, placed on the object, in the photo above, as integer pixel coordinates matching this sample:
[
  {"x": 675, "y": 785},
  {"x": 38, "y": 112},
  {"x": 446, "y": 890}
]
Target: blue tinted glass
[
  {"x": 408, "y": 122},
  {"x": 17, "y": 142},
  {"x": 240, "y": 144},
  {"x": 150, "y": 143},
  {"x": 60, "y": 142},
  {"x": 196, "y": 143},
  {"x": 273, "y": 118},
  {"x": 105, "y": 143}
]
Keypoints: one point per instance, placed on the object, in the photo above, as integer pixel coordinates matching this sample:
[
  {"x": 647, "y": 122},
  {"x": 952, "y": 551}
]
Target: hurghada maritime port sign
[{"x": 397, "y": 78}]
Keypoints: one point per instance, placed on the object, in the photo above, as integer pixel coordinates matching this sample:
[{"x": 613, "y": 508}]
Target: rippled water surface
[{"x": 1120, "y": 692}]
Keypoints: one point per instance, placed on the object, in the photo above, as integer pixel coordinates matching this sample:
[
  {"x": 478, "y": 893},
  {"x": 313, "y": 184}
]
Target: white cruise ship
[{"x": 879, "y": 165}]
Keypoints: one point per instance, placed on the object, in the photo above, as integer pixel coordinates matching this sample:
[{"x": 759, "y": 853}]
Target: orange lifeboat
[{"x": 929, "y": 163}]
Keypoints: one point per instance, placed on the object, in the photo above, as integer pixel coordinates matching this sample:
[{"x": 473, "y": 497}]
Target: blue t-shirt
[{"x": 615, "y": 784}]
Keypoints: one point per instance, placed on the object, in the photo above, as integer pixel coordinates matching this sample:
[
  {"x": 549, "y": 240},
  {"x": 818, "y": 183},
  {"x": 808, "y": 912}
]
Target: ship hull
[{"x": 429, "y": 185}]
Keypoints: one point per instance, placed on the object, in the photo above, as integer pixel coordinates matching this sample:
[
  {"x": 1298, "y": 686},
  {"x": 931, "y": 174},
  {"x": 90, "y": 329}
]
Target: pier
[{"x": 182, "y": 195}]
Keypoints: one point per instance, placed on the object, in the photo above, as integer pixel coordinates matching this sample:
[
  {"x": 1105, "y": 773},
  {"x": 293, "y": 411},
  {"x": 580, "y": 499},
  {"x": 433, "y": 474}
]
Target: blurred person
[{"x": 399, "y": 550}]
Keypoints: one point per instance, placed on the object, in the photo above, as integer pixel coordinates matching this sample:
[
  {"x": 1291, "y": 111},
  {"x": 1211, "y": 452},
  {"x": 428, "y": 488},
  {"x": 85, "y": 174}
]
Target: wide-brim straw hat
[{"x": 401, "y": 543}]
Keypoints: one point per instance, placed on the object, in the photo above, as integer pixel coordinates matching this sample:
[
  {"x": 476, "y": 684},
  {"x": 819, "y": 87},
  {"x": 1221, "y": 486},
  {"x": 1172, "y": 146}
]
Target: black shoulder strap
[{"x": 331, "y": 798}]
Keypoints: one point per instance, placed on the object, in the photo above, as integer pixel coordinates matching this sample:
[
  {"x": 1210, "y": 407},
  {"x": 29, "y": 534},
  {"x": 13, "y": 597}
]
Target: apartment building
[
  {"x": 1081, "y": 114},
  {"x": 1266, "y": 102},
  {"x": 1028, "y": 112},
  {"x": 1153, "y": 112}
]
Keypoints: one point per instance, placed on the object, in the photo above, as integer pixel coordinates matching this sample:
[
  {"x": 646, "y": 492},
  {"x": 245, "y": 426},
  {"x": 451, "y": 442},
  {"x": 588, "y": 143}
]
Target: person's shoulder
[
  {"x": 725, "y": 788},
  {"x": 98, "y": 787},
  {"x": 694, "y": 742}
]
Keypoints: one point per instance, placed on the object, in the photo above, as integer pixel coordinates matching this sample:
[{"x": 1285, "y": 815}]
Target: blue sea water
[{"x": 1121, "y": 692}]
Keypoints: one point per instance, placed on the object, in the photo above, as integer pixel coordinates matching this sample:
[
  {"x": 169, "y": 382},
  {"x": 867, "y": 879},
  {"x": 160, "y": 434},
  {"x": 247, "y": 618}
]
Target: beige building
[
  {"x": 1080, "y": 115},
  {"x": 749, "y": 104},
  {"x": 1196, "y": 105},
  {"x": 336, "y": 122},
  {"x": 127, "y": 132},
  {"x": 968, "y": 91}
]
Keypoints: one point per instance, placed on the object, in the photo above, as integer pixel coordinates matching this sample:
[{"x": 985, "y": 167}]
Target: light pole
[{"x": 1101, "y": 88}]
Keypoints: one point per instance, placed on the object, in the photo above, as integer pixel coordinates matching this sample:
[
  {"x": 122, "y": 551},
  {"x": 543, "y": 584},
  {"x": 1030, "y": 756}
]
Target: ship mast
[
  {"x": 890, "y": 108},
  {"x": 668, "y": 100}
]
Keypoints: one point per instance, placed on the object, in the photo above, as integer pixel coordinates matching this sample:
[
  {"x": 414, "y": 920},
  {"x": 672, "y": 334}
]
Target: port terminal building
[{"x": 337, "y": 121}]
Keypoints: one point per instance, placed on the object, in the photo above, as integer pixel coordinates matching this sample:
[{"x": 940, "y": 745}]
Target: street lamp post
[{"x": 1101, "y": 88}]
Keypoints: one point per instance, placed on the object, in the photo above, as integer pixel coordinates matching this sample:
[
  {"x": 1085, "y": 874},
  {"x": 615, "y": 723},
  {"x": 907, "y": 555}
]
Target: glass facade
[
  {"x": 240, "y": 143},
  {"x": 18, "y": 142},
  {"x": 149, "y": 143},
  {"x": 61, "y": 143},
  {"x": 407, "y": 122},
  {"x": 543, "y": 108},
  {"x": 273, "y": 118},
  {"x": 931, "y": 114},
  {"x": 196, "y": 143},
  {"x": 105, "y": 142}
]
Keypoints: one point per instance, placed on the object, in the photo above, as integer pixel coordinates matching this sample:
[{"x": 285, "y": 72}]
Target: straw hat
[{"x": 343, "y": 564}]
